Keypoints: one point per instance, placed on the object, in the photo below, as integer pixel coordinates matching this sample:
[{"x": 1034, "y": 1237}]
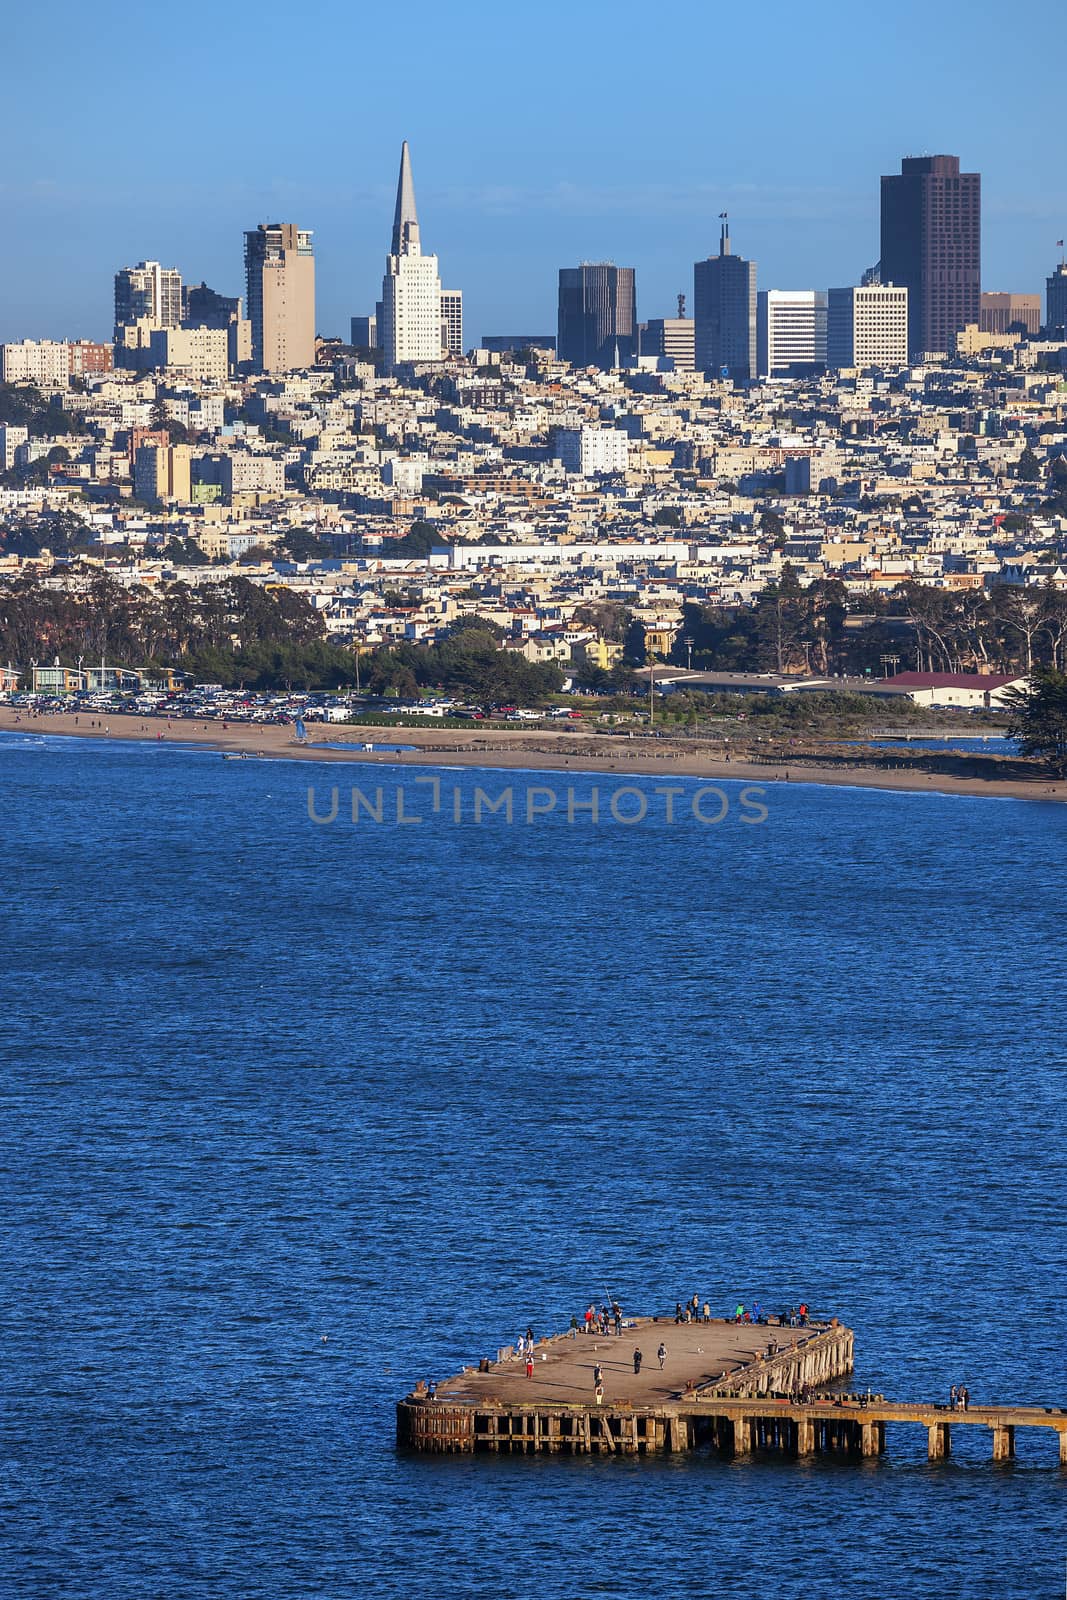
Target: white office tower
[
  {"x": 868, "y": 327},
  {"x": 410, "y": 327},
  {"x": 790, "y": 332}
]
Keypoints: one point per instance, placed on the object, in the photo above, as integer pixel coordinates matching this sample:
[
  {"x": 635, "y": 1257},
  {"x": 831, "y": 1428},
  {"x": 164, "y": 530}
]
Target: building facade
[
  {"x": 43, "y": 362},
  {"x": 670, "y": 339},
  {"x": 1056, "y": 298},
  {"x": 452, "y": 322},
  {"x": 932, "y": 246},
  {"x": 148, "y": 293},
  {"x": 724, "y": 313},
  {"x": 409, "y": 325},
  {"x": 199, "y": 354},
  {"x": 1009, "y": 313},
  {"x": 280, "y": 282},
  {"x": 591, "y": 451},
  {"x": 597, "y": 315},
  {"x": 790, "y": 333},
  {"x": 867, "y": 326},
  {"x": 85, "y": 357}
]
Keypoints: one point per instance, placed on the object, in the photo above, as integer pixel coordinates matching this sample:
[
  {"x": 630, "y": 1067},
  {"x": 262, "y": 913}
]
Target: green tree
[
  {"x": 1028, "y": 467},
  {"x": 1039, "y": 719}
]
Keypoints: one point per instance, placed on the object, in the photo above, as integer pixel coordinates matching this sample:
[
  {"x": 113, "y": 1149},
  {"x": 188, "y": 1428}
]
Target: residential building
[
  {"x": 932, "y": 246},
  {"x": 11, "y": 436},
  {"x": 591, "y": 451},
  {"x": 200, "y": 354},
  {"x": 724, "y": 313},
  {"x": 148, "y": 293},
  {"x": 452, "y": 322},
  {"x": 867, "y": 326},
  {"x": 410, "y": 325},
  {"x": 1056, "y": 299},
  {"x": 670, "y": 339},
  {"x": 280, "y": 281},
  {"x": 162, "y": 473},
  {"x": 790, "y": 332},
  {"x": 85, "y": 357},
  {"x": 1009, "y": 313},
  {"x": 597, "y": 315},
  {"x": 206, "y": 308},
  {"x": 43, "y": 362}
]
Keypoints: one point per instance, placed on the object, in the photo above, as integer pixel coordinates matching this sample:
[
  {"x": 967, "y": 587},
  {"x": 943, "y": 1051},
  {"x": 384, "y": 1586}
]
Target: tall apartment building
[
  {"x": 597, "y": 315},
  {"x": 592, "y": 450},
  {"x": 409, "y": 325},
  {"x": 11, "y": 436},
  {"x": 452, "y": 321},
  {"x": 670, "y": 339},
  {"x": 790, "y": 332},
  {"x": 1009, "y": 313},
  {"x": 932, "y": 246},
  {"x": 1056, "y": 298},
  {"x": 280, "y": 283},
  {"x": 43, "y": 362},
  {"x": 867, "y": 327},
  {"x": 148, "y": 293},
  {"x": 200, "y": 354},
  {"x": 724, "y": 313}
]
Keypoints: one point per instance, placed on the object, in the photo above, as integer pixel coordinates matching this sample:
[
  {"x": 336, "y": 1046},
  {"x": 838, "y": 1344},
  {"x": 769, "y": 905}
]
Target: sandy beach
[{"x": 543, "y": 750}]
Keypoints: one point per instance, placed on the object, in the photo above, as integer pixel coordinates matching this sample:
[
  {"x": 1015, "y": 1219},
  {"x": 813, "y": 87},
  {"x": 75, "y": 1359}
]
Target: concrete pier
[{"x": 737, "y": 1389}]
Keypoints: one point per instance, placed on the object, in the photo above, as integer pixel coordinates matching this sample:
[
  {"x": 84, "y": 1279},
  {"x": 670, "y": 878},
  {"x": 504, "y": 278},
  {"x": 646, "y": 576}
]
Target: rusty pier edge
[{"x": 770, "y": 1403}]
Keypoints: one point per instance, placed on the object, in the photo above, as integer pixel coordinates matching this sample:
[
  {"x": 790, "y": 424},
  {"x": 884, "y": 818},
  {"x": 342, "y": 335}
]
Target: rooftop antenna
[
  {"x": 724, "y": 236},
  {"x": 681, "y": 307}
]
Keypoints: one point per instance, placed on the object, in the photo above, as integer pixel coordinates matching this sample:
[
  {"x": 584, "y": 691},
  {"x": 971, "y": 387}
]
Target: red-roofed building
[{"x": 968, "y": 691}]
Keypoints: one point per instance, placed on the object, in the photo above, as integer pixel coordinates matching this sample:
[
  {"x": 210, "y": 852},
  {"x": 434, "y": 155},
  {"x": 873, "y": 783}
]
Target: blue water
[{"x": 414, "y": 1086}]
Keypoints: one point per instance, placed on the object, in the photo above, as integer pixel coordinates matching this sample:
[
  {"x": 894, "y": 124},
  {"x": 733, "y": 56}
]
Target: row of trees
[
  {"x": 792, "y": 629},
  {"x": 236, "y": 632}
]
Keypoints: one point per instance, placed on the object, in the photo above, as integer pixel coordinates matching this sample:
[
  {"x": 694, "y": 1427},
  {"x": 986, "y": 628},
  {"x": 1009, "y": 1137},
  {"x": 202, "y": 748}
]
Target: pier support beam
[
  {"x": 805, "y": 1437},
  {"x": 1004, "y": 1443},
  {"x": 744, "y": 1436},
  {"x": 873, "y": 1438},
  {"x": 939, "y": 1441},
  {"x": 1063, "y": 1449}
]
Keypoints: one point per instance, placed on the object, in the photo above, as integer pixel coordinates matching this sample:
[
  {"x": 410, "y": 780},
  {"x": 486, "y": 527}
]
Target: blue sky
[{"x": 540, "y": 135}]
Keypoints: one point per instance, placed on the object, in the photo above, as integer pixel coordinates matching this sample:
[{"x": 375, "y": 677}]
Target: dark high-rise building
[
  {"x": 597, "y": 324},
  {"x": 724, "y": 313},
  {"x": 1056, "y": 301},
  {"x": 932, "y": 246}
]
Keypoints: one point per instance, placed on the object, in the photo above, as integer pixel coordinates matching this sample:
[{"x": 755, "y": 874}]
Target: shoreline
[{"x": 506, "y": 751}]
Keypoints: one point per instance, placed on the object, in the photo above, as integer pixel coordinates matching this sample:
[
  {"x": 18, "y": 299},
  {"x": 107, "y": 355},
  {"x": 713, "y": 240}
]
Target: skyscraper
[
  {"x": 724, "y": 313},
  {"x": 790, "y": 332},
  {"x": 597, "y": 317},
  {"x": 452, "y": 321},
  {"x": 280, "y": 277},
  {"x": 932, "y": 246},
  {"x": 148, "y": 293},
  {"x": 867, "y": 327},
  {"x": 1056, "y": 299},
  {"x": 409, "y": 327}
]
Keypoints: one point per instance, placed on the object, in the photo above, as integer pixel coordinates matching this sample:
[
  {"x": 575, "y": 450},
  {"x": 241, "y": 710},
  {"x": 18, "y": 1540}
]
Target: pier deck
[
  {"x": 697, "y": 1353},
  {"x": 723, "y": 1385}
]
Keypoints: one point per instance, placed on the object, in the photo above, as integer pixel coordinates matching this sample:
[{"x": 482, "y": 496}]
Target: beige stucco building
[{"x": 280, "y": 277}]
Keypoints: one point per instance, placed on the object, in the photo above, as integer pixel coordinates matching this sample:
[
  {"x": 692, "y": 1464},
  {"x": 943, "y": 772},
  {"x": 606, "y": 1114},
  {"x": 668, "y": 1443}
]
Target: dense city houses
[{"x": 895, "y": 445}]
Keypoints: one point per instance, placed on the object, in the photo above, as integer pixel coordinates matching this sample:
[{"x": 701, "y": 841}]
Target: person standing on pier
[
  {"x": 638, "y": 1358},
  {"x": 529, "y": 1366},
  {"x": 598, "y": 1394},
  {"x": 953, "y": 1397},
  {"x": 598, "y": 1376},
  {"x": 707, "y": 1311},
  {"x": 662, "y": 1353}
]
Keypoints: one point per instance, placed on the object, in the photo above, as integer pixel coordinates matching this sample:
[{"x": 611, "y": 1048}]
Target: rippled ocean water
[{"x": 412, "y": 1086}]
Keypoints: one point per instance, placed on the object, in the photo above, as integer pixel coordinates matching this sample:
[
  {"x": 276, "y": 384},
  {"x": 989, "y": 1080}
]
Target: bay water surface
[{"x": 295, "y": 1113}]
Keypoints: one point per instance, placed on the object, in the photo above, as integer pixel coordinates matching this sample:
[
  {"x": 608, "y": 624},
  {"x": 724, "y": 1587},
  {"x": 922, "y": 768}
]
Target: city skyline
[{"x": 796, "y": 168}]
